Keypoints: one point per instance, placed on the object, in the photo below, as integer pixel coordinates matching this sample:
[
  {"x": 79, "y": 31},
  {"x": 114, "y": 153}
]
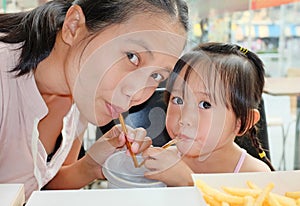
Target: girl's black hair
[
  {"x": 36, "y": 30},
  {"x": 241, "y": 75}
]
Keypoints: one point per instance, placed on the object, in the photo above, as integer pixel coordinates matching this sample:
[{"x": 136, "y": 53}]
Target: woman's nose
[{"x": 139, "y": 95}]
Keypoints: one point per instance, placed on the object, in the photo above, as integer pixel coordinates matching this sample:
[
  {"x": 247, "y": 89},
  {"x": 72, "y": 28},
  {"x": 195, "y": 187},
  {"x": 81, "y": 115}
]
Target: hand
[
  {"x": 115, "y": 139},
  {"x": 167, "y": 166}
]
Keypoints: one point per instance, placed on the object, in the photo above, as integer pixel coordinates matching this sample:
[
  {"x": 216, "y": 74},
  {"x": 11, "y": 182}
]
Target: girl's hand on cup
[{"x": 167, "y": 166}]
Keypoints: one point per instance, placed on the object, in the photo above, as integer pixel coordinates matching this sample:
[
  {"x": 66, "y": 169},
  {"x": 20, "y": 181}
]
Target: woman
[{"x": 67, "y": 63}]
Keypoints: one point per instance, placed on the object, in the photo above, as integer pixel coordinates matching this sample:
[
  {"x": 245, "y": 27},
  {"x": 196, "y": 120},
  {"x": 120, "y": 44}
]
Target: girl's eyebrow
[
  {"x": 202, "y": 93},
  {"x": 179, "y": 90},
  {"x": 176, "y": 90}
]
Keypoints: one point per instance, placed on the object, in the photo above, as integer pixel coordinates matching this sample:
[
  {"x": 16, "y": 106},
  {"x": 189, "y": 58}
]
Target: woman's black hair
[
  {"x": 241, "y": 74},
  {"x": 36, "y": 30}
]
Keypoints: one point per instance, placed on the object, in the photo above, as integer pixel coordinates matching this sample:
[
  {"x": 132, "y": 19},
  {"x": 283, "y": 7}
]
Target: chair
[{"x": 278, "y": 115}]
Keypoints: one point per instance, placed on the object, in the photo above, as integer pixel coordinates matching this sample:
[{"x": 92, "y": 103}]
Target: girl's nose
[{"x": 183, "y": 122}]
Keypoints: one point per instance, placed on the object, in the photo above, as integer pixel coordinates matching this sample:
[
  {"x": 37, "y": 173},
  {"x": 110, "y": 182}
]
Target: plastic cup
[{"x": 120, "y": 172}]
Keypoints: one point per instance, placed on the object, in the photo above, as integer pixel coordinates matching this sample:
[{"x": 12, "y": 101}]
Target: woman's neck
[{"x": 50, "y": 73}]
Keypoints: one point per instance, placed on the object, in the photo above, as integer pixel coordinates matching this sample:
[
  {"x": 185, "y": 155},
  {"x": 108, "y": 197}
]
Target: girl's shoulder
[{"x": 252, "y": 164}]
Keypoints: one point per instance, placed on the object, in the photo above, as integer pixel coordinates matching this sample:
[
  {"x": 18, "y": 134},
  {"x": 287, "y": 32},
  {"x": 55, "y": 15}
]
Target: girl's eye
[
  {"x": 204, "y": 105},
  {"x": 177, "y": 100},
  {"x": 157, "y": 77},
  {"x": 133, "y": 58}
]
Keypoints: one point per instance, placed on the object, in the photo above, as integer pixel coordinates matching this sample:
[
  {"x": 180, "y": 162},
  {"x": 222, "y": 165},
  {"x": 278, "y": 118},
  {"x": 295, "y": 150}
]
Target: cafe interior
[{"x": 271, "y": 29}]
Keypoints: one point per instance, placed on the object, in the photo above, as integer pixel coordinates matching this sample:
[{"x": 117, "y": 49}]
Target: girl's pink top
[
  {"x": 240, "y": 162},
  {"x": 23, "y": 158}
]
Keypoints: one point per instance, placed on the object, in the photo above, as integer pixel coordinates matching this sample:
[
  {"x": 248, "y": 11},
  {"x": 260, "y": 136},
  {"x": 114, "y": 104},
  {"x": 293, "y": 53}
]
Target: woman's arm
[{"x": 75, "y": 174}]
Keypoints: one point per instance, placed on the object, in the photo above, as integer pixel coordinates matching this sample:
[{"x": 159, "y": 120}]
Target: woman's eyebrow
[
  {"x": 142, "y": 44},
  {"x": 149, "y": 51}
]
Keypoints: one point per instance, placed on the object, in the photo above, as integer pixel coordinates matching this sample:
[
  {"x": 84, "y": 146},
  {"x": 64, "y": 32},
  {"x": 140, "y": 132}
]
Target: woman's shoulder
[{"x": 9, "y": 56}]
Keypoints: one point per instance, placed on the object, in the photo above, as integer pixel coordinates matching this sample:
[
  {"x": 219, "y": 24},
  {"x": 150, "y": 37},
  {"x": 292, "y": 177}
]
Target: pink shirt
[{"x": 23, "y": 158}]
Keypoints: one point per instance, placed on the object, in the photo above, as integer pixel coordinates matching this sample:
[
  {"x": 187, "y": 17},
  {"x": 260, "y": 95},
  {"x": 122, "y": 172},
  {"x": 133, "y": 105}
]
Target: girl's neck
[{"x": 221, "y": 160}]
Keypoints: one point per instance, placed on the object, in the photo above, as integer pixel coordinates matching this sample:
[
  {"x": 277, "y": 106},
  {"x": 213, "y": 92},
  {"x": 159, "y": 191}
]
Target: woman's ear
[{"x": 73, "y": 25}]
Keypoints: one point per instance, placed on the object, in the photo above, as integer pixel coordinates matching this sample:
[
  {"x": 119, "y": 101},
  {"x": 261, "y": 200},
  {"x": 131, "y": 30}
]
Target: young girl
[
  {"x": 215, "y": 91},
  {"x": 66, "y": 63}
]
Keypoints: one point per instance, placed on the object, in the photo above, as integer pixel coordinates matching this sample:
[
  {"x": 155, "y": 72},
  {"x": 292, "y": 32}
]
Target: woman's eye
[
  {"x": 133, "y": 58},
  {"x": 204, "y": 105},
  {"x": 177, "y": 100},
  {"x": 157, "y": 77}
]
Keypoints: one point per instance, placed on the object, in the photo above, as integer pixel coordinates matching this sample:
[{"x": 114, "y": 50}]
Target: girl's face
[
  {"x": 122, "y": 66},
  {"x": 200, "y": 125}
]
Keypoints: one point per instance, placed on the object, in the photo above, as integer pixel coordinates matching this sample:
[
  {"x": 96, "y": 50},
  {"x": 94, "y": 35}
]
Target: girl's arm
[{"x": 166, "y": 166}]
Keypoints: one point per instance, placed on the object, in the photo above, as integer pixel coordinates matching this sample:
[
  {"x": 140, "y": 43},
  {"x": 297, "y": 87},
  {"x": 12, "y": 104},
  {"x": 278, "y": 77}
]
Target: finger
[
  {"x": 140, "y": 141},
  {"x": 153, "y": 151},
  {"x": 137, "y": 134},
  {"x": 122, "y": 139},
  {"x": 141, "y": 146},
  {"x": 117, "y": 141},
  {"x": 150, "y": 164},
  {"x": 116, "y": 130}
]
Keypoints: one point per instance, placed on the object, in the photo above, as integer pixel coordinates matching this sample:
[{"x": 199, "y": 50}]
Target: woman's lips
[{"x": 115, "y": 111}]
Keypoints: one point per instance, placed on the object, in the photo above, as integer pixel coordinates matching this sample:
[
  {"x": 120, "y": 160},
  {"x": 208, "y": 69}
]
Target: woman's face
[
  {"x": 200, "y": 125},
  {"x": 122, "y": 66}
]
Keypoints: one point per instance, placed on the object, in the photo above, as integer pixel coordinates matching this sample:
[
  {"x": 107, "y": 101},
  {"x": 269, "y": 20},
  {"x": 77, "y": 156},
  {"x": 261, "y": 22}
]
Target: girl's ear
[
  {"x": 255, "y": 117},
  {"x": 74, "y": 23}
]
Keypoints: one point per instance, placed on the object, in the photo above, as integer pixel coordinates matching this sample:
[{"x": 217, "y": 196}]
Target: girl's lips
[
  {"x": 183, "y": 137},
  {"x": 115, "y": 111}
]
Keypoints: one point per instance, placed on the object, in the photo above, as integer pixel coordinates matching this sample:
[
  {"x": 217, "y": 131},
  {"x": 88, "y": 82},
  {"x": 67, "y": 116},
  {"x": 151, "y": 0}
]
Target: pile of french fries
[{"x": 252, "y": 195}]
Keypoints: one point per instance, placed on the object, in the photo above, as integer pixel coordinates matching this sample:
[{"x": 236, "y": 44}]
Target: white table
[
  {"x": 12, "y": 195},
  {"x": 175, "y": 196}
]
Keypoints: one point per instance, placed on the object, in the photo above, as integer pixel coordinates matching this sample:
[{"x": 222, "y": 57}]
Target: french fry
[
  {"x": 298, "y": 202},
  {"x": 251, "y": 196},
  {"x": 249, "y": 201},
  {"x": 210, "y": 200},
  {"x": 294, "y": 195},
  {"x": 242, "y": 192},
  {"x": 273, "y": 201},
  {"x": 283, "y": 200},
  {"x": 252, "y": 185},
  {"x": 218, "y": 195},
  {"x": 262, "y": 196}
]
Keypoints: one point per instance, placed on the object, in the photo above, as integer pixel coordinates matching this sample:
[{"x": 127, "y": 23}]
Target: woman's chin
[{"x": 102, "y": 121}]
